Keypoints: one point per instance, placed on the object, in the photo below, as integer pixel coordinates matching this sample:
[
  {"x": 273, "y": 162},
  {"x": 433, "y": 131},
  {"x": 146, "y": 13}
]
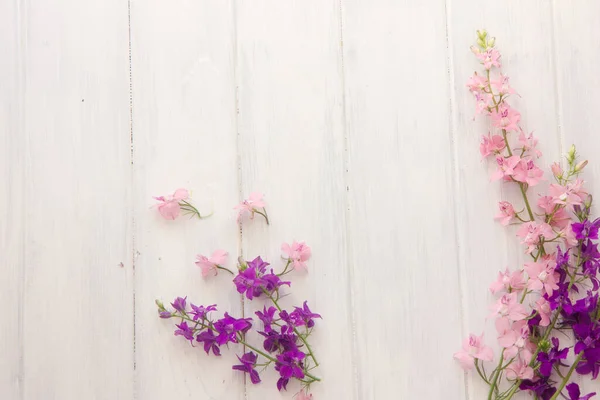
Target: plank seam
[
  {"x": 455, "y": 179},
  {"x": 557, "y": 99},
  {"x": 350, "y": 300}
]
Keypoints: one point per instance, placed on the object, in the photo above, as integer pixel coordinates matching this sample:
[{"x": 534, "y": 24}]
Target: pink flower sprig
[
  {"x": 171, "y": 206},
  {"x": 254, "y": 204},
  {"x": 546, "y": 294},
  {"x": 214, "y": 263}
]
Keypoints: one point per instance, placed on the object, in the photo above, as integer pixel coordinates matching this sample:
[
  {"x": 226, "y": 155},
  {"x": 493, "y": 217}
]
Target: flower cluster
[
  {"x": 554, "y": 293},
  {"x": 285, "y": 333},
  {"x": 171, "y": 206}
]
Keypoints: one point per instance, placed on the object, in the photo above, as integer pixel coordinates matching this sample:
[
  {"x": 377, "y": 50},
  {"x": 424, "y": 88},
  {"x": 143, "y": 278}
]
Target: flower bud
[
  {"x": 165, "y": 314},
  {"x": 571, "y": 154},
  {"x": 491, "y": 42},
  {"x": 475, "y": 50},
  {"x": 159, "y": 304},
  {"x": 581, "y": 166},
  {"x": 557, "y": 170},
  {"x": 242, "y": 264},
  {"x": 544, "y": 346},
  {"x": 481, "y": 34}
]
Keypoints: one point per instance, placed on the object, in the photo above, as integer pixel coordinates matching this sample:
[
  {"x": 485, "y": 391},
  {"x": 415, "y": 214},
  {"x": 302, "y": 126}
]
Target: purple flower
[
  {"x": 289, "y": 365},
  {"x": 254, "y": 282},
  {"x": 179, "y": 304},
  {"x": 248, "y": 361},
  {"x": 541, "y": 388},
  {"x": 185, "y": 331},
  {"x": 165, "y": 314},
  {"x": 228, "y": 327},
  {"x": 199, "y": 312},
  {"x": 587, "y": 333},
  {"x": 258, "y": 264},
  {"x": 266, "y": 316},
  {"x": 274, "y": 341},
  {"x": 272, "y": 282},
  {"x": 210, "y": 341},
  {"x": 303, "y": 316},
  {"x": 553, "y": 356},
  {"x": 590, "y": 363},
  {"x": 586, "y": 229},
  {"x": 575, "y": 394}
]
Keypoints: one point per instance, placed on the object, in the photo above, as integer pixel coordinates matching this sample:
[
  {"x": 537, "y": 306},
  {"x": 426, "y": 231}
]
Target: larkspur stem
[
  {"x": 264, "y": 214},
  {"x": 566, "y": 379}
]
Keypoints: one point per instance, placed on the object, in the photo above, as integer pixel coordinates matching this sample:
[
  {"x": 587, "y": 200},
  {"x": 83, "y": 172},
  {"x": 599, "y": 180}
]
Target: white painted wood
[
  {"x": 77, "y": 301},
  {"x": 401, "y": 219},
  {"x": 291, "y": 148},
  {"x": 577, "y": 51},
  {"x": 522, "y": 32},
  {"x": 184, "y": 136},
  {"x": 12, "y": 211}
]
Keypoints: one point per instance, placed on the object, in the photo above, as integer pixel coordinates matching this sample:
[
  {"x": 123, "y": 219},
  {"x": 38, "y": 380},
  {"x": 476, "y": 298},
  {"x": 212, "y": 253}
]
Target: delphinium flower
[
  {"x": 211, "y": 265},
  {"x": 556, "y": 291},
  {"x": 254, "y": 204},
  {"x": 297, "y": 254},
  {"x": 171, "y": 206}
]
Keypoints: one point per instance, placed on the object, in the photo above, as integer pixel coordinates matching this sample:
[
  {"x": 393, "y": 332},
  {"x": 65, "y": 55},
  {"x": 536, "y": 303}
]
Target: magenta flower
[
  {"x": 209, "y": 265},
  {"x": 289, "y": 365},
  {"x": 251, "y": 205},
  {"x": 179, "y": 304},
  {"x": 266, "y": 316},
  {"x": 169, "y": 206},
  {"x": 298, "y": 253},
  {"x": 185, "y": 331},
  {"x": 300, "y": 316},
  {"x": 209, "y": 340},
  {"x": 506, "y": 118},
  {"x": 248, "y": 361},
  {"x": 200, "y": 312},
  {"x": 473, "y": 348},
  {"x": 575, "y": 393},
  {"x": 228, "y": 328}
]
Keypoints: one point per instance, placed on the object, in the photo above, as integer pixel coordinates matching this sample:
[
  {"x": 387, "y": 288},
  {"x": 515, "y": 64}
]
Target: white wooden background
[{"x": 351, "y": 115}]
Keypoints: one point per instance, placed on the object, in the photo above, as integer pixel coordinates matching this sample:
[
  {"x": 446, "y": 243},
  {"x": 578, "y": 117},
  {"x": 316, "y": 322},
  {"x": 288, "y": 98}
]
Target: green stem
[
  {"x": 566, "y": 379},
  {"x": 225, "y": 269},
  {"x": 496, "y": 376},
  {"x": 310, "y": 352},
  {"x": 285, "y": 270},
  {"x": 264, "y": 214}
]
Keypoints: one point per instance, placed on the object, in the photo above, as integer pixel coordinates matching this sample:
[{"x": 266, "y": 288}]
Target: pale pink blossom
[
  {"x": 501, "y": 85},
  {"x": 169, "y": 206},
  {"x": 513, "y": 336},
  {"x": 489, "y": 58},
  {"x": 506, "y": 118},
  {"x": 542, "y": 276},
  {"x": 297, "y": 253},
  {"x": 251, "y": 205},
  {"x": 302, "y": 395},
  {"x": 508, "y": 306},
  {"x": 477, "y": 83},
  {"x": 542, "y": 306},
  {"x": 506, "y": 214},
  {"x": 529, "y": 143},
  {"x": 519, "y": 369},
  {"x": 509, "y": 282},
  {"x": 209, "y": 265},
  {"x": 571, "y": 194},
  {"x": 557, "y": 170},
  {"x": 506, "y": 167},
  {"x": 491, "y": 145},
  {"x": 556, "y": 215},
  {"x": 568, "y": 236},
  {"x": 531, "y": 232},
  {"x": 483, "y": 102},
  {"x": 473, "y": 348},
  {"x": 527, "y": 172}
]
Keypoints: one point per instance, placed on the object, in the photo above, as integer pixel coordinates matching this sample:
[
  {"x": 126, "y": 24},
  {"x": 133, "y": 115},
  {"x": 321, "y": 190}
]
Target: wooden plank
[
  {"x": 577, "y": 51},
  {"x": 292, "y": 149},
  {"x": 402, "y": 228},
  {"x": 485, "y": 246},
  {"x": 184, "y": 136},
  {"x": 12, "y": 199},
  {"x": 78, "y": 330}
]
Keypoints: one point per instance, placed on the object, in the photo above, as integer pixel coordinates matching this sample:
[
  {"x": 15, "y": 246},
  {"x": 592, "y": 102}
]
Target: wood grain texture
[
  {"x": 12, "y": 212},
  {"x": 292, "y": 148},
  {"x": 577, "y": 52},
  {"x": 401, "y": 220},
  {"x": 523, "y": 38},
  {"x": 184, "y": 136},
  {"x": 77, "y": 301}
]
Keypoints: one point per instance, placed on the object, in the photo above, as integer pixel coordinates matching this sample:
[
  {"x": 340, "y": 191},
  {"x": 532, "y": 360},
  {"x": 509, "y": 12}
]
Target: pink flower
[
  {"x": 519, "y": 369},
  {"x": 542, "y": 276},
  {"x": 509, "y": 306},
  {"x": 209, "y": 265},
  {"x": 302, "y": 395},
  {"x": 506, "y": 214},
  {"x": 483, "y": 102},
  {"x": 477, "y": 83},
  {"x": 506, "y": 118},
  {"x": 169, "y": 206},
  {"x": 473, "y": 348},
  {"x": 572, "y": 194},
  {"x": 251, "y": 205},
  {"x": 506, "y": 167},
  {"x": 509, "y": 282},
  {"x": 568, "y": 236},
  {"x": 491, "y": 145},
  {"x": 531, "y": 233},
  {"x": 529, "y": 143},
  {"x": 557, "y": 170},
  {"x": 501, "y": 85},
  {"x": 297, "y": 253},
  {"x": 489, "y": 58},
  {"x": 506, "y": 335},
  {"x": 527, "y": 172},
  {"x": 542, "y": 306},
  {"x": 513, "y": 336}
]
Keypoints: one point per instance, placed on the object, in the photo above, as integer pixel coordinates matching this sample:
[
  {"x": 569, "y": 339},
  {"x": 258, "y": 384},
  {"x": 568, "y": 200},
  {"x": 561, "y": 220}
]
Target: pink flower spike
[
  {"x": 297, "y": 253},
  {"x": 506, "y": 214},
  {"x": 527, "y": 172},
  {"x": 209, "y": 265},
  {"x": 169, "y": 206},
  {"x": 252, "y": 205},
  {"x": 473, "y": 348},
  {"x": 542, "y": 306},
  {"x": 491, "y": 145},
  {"x": 506, "y": 118}
]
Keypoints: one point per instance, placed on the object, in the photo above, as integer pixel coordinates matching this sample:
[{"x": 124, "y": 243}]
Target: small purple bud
[
  {"x": 179, "y": 304},
  {"x": 165, "y": 314}
]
